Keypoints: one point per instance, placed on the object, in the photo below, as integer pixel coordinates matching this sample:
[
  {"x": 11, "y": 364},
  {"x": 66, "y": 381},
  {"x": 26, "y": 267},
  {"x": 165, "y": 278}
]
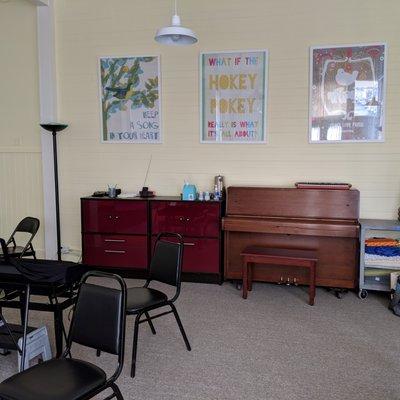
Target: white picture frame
[
  {"x": 329, "y": 125},
  {"x": 137, "y": 106},
  {"x": 256, "y": 97}
]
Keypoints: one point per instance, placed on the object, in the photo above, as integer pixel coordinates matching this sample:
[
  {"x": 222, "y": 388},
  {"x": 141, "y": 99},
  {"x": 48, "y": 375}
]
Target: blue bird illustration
[{"x": 118, "y": 92}]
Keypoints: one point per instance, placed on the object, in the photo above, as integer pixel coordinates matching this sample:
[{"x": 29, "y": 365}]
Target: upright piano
[{"x": 320, "y": 219}]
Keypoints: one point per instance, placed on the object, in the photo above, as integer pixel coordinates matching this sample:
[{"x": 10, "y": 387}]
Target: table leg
[
  {"x": 58, "y": 331},
  {"x": 312, "y": 285},
  {"x": 25, "y": 327},
  {"x": 245, "y": 270},
  {"x": 249, "y": 277},
  {"x": 22, "y": 308}
]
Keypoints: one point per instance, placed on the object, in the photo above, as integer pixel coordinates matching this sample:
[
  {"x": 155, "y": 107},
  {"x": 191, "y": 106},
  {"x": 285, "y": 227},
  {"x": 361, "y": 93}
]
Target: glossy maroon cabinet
[
  {"x": 115, "y": 250},
  {"x": 198, "y": 219},
  {"x": 200, "y": 225},
  {"x": 200, "y": 256},
  {"x": 112, "y": 216},
  {"x": 120, "y": 233},
  {"x": 115, "y": 233}
]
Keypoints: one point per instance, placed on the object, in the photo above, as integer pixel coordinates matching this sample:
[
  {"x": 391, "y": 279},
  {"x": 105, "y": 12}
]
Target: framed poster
[
  {"x": 347, "y": 93},
  {"x": 130, "y": 99},
  {"x": 233, "y": 96}
]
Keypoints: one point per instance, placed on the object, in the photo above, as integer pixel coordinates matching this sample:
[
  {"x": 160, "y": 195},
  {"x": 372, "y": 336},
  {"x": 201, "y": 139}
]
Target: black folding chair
[
  {"x": 165, "y": 267},
  {"x": 98, "y": 322},
  {"x": 11, "y": 333},
  {"x": 4, "y": 251},
  {"x": 27, "y": 225}
]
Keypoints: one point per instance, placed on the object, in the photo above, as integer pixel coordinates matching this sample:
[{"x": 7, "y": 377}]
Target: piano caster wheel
[{"x": 362, "y": 294}]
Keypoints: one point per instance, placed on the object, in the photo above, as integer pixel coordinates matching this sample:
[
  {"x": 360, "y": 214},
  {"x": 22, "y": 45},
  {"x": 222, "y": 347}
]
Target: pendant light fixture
[{"x": 176, "y": 34}]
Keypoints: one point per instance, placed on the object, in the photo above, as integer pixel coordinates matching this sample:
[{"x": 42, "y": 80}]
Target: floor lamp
[{"x": 54, "y": 128}]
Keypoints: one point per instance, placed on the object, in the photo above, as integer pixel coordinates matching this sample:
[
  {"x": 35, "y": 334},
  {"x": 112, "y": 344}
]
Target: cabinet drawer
[
  {"x": 115, "y": 251},
  {"x": 200, "y": 255},
  {"x": 115, "y": 216},
  {"x": 186, "y": 218}
]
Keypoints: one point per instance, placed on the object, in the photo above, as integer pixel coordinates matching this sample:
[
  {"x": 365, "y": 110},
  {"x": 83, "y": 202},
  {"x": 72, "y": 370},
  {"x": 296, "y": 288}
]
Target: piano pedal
[{"x": 288, "y": 282}]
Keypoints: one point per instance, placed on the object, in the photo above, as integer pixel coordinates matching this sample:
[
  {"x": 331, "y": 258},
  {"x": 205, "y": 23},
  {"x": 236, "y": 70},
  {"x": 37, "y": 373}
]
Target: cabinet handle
[
  {"x": 189, "y": 244},
  {"x": 115, "y": 251},
  {"x": 187, "y": 219},
  {"x": 116, "y": 217},
  {"x": 180, "y": 218},
  {"x": 110, "y": 216},
  {"x": 115, "y": 240}
]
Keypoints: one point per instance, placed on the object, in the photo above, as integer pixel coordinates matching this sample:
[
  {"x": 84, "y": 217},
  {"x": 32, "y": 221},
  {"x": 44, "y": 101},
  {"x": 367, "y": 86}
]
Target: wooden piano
[{"x": 319, "y": 219}]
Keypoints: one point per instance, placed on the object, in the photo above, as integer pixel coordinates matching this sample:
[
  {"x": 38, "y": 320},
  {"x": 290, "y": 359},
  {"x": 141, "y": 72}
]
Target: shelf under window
[
  {"x": 377, "y": 278},
  {"x": 383, "y": 266}
]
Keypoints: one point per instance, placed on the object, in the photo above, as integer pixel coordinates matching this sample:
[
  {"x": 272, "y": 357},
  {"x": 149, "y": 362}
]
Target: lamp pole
[{"x": 54, "y": 128}]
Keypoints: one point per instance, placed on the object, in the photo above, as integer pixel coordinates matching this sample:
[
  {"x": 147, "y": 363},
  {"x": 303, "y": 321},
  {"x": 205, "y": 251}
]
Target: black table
[{"x": 49, "y": 297}]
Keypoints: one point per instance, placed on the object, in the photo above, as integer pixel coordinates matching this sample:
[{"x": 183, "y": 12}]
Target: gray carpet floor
[{"x": 272, "y": 346}]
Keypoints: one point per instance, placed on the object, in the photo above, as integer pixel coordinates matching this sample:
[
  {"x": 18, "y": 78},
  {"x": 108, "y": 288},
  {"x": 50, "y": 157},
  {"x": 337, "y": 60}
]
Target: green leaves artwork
[{"x": 130, "y": 99}]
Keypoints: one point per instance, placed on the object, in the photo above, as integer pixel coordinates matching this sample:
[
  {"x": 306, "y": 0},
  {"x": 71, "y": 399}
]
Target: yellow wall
[
  {"x": 20, "y": 151},
  {"x": 87, "y": 29}
]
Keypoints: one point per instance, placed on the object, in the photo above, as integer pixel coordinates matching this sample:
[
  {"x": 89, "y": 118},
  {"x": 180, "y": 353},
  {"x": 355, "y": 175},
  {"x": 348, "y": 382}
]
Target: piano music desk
[{"x": 277, "y": 256}]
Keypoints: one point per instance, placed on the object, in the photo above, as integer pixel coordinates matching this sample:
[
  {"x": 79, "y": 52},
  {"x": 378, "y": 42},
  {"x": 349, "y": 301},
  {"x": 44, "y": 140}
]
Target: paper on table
[{"x": 127, "y": 195}]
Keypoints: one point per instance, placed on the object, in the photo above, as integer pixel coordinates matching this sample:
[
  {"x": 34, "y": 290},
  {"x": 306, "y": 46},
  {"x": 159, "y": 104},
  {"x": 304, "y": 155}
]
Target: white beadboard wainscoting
[{"x": 21, "y": 191}]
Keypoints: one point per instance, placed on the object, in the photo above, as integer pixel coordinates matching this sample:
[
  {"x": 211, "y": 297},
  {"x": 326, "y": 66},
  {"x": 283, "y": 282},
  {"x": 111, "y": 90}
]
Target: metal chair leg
[
  {"x": 134, "y": 345},
  {"x": 117, "y": 392},
  {"x": 59, "y": 325},
  {"x": 3, "y": 352},
  {"x": 58, "y": 331},
  {"x": 150, "y": 322},
  {"x": 178, "y": 320}
]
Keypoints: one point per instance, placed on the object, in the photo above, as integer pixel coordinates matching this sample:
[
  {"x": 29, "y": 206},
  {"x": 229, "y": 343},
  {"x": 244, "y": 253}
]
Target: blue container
[{"x": 189, "y": 192}]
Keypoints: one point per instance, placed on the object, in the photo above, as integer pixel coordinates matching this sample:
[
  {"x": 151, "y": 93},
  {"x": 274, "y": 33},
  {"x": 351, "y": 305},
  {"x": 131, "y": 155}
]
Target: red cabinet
[
  {"x": 199, "y": 219},
  {"x": 112, "y": 216},
  {"x": 119, "y": 233},
  {"x": 115, "y": 233},
  {"x": 200, "y": 256},
  {"x": 199, "y": 224},
  {"x": 115, "y": 250}
]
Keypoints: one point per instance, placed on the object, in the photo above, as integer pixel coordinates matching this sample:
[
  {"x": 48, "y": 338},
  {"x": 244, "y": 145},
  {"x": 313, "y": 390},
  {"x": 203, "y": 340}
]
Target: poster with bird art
[
  {"x": 347, "y": 93},
  {"x": 130, "y": 99}
]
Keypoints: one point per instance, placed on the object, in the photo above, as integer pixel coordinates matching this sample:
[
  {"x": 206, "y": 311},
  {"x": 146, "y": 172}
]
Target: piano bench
[{"x": 277, "y": 256}]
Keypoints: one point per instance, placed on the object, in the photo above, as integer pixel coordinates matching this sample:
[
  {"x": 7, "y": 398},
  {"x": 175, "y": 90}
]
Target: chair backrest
[
  {"x": 166, "y": 263},
  {"x": 99, "y": 316},
  {"x": 27, "y": 225},
  {"x": 4, "y": 250}
]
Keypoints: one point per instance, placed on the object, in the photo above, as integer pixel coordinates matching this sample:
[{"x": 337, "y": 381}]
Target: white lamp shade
[{"x": 176, "y": 34}]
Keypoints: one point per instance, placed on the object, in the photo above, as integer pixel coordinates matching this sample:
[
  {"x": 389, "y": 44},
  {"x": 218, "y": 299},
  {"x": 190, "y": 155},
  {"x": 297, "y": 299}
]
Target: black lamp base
[{"x": 54, "y": 128}]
